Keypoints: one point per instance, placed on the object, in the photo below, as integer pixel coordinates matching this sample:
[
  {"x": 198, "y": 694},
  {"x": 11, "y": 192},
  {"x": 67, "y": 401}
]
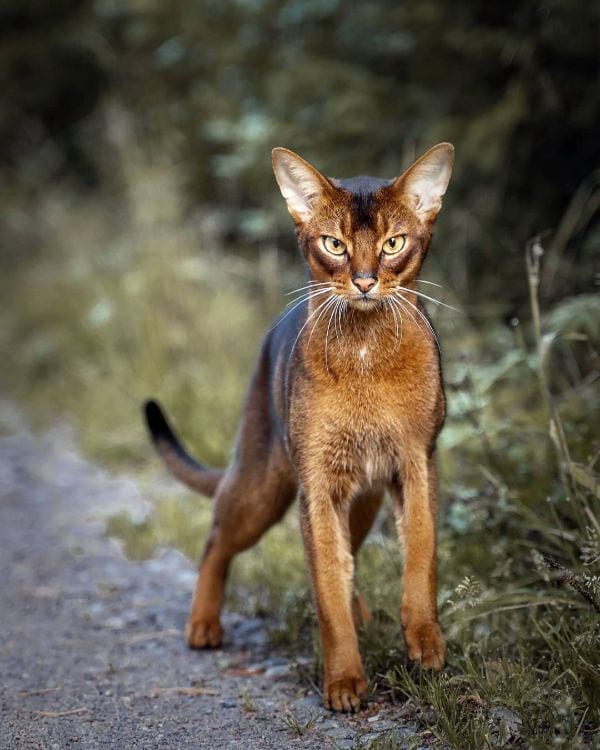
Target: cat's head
[{"x": 364, "y": 236}]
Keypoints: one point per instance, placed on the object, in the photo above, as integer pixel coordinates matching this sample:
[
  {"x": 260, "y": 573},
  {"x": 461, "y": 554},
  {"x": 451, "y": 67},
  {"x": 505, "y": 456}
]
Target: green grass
[{"x": 108, "y": 311}]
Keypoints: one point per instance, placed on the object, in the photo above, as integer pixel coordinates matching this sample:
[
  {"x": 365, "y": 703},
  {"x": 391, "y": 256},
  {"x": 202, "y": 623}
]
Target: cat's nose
[{"x": 364, "y": 283}]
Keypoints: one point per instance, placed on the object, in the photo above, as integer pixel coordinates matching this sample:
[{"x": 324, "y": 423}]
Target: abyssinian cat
[{"x": 346, "y": 402}]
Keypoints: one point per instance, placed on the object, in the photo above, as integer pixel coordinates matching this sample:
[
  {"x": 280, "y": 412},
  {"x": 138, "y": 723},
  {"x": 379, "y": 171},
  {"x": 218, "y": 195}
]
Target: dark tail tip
[{"x": 157, "y": 423}]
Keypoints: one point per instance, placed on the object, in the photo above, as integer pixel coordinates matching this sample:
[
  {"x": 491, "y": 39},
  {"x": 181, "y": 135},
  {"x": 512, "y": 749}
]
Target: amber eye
[
  {"x": 394, "y": 244},
  {"x": 333, "y": 245}
]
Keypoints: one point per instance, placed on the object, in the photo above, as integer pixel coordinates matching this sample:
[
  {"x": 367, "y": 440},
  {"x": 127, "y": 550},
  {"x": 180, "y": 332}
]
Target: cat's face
[{"x": 363, "y": 237}]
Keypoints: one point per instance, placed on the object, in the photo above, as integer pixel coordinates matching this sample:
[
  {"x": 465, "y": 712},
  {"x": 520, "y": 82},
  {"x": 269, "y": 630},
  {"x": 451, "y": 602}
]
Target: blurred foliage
[
  {"x": 354, "y": 86},
  {"x": 138, "y": 312}
]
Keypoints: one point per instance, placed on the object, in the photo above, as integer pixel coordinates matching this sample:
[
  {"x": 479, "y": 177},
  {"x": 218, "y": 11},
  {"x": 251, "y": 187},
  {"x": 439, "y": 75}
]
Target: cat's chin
[{"x": 364, "y": 304}]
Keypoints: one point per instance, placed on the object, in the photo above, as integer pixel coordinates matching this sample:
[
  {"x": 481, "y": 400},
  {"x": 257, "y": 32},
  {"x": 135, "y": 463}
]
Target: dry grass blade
[
  {"x": 566, "y": 575},
  {"x": 297, "y": 726},
  {"x": 58, "y": 714},
  {"x": 586, "y": 478},
  {"x": 183, "y": 690},
  {"x": 243, "y": 672},
  {"x": 41, "y": 691},
  {"x": 153, "y": 635}
]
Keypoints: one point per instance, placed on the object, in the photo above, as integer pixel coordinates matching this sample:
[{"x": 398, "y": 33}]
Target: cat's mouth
[{"x": 363, "y": 301}]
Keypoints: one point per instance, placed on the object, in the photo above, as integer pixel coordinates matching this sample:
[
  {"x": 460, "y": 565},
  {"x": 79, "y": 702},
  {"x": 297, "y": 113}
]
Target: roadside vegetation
[{"x": 153, "y": 308}]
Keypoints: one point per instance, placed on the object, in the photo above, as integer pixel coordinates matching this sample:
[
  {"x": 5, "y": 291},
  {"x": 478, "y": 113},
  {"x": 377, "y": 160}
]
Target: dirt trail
[{"x": 91, "y": 653}]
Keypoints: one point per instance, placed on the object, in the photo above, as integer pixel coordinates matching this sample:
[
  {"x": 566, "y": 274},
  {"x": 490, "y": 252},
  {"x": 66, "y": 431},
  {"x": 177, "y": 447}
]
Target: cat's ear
[
  {"x": 300, "y": 183},
  {"x": 425, "y": 182}
]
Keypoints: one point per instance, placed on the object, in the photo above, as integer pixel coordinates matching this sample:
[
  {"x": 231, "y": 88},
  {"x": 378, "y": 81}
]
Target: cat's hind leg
[
  {"x": 250, "y": 499},
  {"x": 363, "y": 512}
]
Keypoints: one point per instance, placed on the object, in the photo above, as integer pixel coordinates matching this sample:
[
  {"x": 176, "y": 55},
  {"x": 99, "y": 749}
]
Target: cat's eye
[
  {"x": 394, "y": 244},
  {"x": 333, "y": 245}
]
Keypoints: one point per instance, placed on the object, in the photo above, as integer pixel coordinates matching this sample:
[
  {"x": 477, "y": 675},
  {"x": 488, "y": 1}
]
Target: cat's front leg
[
  {"x": 325, "y": 531},
  {"x": 415, "y": 504}
]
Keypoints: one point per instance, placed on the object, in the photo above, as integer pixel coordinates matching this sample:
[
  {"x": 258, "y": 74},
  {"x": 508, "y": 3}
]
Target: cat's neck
[{"x": 343, "y": 338}]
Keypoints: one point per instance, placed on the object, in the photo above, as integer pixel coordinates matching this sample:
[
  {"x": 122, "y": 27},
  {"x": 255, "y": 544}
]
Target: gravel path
[{"x": 91, "y": 651}]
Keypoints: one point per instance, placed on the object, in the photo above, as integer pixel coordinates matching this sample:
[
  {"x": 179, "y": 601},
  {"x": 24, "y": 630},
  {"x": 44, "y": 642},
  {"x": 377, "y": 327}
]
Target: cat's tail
[{"x": 177, "y": 460}]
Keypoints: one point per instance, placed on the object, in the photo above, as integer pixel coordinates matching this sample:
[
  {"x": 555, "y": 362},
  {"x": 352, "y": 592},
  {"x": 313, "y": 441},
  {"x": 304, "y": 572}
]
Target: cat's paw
[
  {"x": 345, "y": 694},
  {"x": 425, "y": 644},
  {"x": 203, "y": 633}
]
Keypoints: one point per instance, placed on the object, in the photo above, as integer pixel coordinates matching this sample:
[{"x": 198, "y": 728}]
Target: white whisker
[
  {"x": 341, "y": 310},
  {"x": 311, "y": 285},
  {"x": 426, "y": 296},
  {"x": 335, "y": 307},
  {"x": 433, "y": 283},
  {"x": 344, "y": 312},
  {"x": 327, "y": 306},
  {"x": 308, "y": 295},
  {"x": 389, "y": 306},
  {"x": 338, "y": 330},
  {"x": 297, "y": 304},
  {"x": 424, "y": 318},
  {"x": 398, "y": 305},
  {"x": 403, "y": 308},
  {"x": 283, "y": 317},
  {"x": 395, "y": 321},
  {"x": 306, "y": 322}
]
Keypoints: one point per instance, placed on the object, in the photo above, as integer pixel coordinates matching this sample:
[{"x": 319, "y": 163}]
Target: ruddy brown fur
[{"x": 346, "y": 402}]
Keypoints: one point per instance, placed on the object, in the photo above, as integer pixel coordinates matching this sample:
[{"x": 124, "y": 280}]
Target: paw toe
[
  {"x": 204, "y": 634},
  {"x": 344, "y": 695},
  {"x": 426, "y": 645}
]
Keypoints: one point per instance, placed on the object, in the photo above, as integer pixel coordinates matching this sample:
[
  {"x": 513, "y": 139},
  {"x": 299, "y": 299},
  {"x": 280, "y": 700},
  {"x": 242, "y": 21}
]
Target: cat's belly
[
  {"x": 365, "y": 441},
  {"x": 369, "y": 453}
]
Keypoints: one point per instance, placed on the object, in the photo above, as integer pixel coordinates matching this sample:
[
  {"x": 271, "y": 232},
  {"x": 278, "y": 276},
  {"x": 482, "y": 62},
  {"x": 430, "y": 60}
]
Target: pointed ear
[
  {"x": 426, "y": 181},
  {"x": 300, "y": 183}
]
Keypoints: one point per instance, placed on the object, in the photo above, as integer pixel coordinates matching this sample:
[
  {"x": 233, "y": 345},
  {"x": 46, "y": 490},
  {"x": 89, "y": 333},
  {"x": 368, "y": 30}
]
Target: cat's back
[{"x": 280, "y": 345}]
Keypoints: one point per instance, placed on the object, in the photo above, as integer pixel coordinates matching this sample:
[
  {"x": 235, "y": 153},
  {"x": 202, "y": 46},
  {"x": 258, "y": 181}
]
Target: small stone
[
  {"x": 275, "y": 661},
  {"x": 369, "y": 737},
  {"x": 309, "y": 701},
  {"x": 258, "y": 666},
  {"x": 281, "y": 671},
  {"x": 338, "y": 732},
  {"x": 344, "y": 744},
  {"x": 385, "y": 725}
]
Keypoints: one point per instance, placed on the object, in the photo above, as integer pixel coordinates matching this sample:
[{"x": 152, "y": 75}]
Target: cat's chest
[
  {"x": 371, "y": 394},
  {"x": 373, "y": 374},
  {"x": 367, "y": 361},
  {"x": 362, "y": 396},
  {"x": 364, "y": 355},
  {"x": 362, "y": 420}
]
